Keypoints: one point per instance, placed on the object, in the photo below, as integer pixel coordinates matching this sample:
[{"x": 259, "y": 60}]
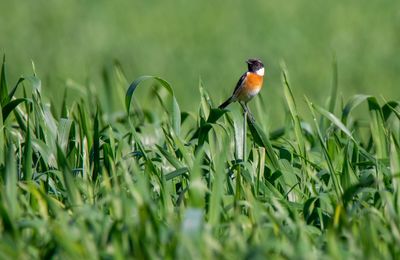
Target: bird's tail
[{"x": 226, "y": 103}]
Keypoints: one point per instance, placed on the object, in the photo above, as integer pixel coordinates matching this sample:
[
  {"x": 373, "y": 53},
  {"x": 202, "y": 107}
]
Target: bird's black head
[{"x": 254, "y": 65}]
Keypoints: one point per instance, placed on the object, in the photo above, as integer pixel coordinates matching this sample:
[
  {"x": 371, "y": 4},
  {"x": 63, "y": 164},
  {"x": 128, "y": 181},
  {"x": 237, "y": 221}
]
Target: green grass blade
[
  {"x": 352, "y": 104},
  {"x": 176, "y": 173},
  {"x": 45, "y": 152},
  {"x": 10, "y": 106},
  {"x": 334, "y": 120},
  {"x": 336, "y": 184},
  {"x": 63, "y": 132},
  {"x": 27, "y": 165},
  {"x": 334, "y": 90},
  {"x": 239, "y": 134},
  {"x": 377, "y": 128},
  {"x": 217, "y": 189},
  {"x": 74, "y": 196},
  {"x": 64, "y": 109},
  {"x": 96, "y": 148},
  {"x": 262, "y": 140},
  {"x": 294, "y": 116},
  {"x": 170, "y": 157},
  {"x": 197, "y": 186},
  {"x": 12, "y": 91},
  {"x": 174, "y": 111},
  {"x": 10, "y": 184},
  {"x": 335, "y": 86},
  {"x": 205, "y": 101},
  {"x": 2, "y": 141},
  {"x": 3, "y": 83}
]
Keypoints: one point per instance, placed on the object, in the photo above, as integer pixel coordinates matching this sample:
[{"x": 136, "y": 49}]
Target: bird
[{"x": 248, "y": 86}]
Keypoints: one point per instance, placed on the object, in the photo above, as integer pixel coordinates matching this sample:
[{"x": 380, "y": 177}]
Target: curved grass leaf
[
  {"x": 174, "y": 112},
  {"x": 201, "y": 132},
  {"x": 10, "y": 106},
  {"x": 170, "y": 158},
  {"x": 176, "y": 173},
  {"x": 390, "y": 108},
  {"x": 12, "y": 91},
  {"x": 352, "y": 104},
  {"x": 45, "y": 152},
  {"x": 334, "y": 120}
]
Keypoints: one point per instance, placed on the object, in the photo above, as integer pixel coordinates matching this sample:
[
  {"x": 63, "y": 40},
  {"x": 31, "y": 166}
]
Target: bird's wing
[{"x": 240, "y": 83}]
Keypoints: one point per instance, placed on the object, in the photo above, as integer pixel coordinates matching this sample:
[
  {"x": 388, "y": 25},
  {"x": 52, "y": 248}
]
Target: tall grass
[{"x": 92, "y": 181}]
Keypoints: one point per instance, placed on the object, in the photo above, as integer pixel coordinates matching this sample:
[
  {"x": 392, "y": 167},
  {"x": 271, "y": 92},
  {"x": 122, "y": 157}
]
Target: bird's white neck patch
[{"x": 260, "y": 72}]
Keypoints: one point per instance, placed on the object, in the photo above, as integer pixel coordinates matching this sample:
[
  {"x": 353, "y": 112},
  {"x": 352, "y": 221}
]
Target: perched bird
[{"x": 248, "y": 85}]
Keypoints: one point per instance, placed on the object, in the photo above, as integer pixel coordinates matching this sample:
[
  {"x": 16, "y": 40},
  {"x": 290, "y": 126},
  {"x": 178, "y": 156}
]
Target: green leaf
[
  {"x": 198, "y": 187},
  {"x": 217, "y": 189},
  {"x": 2, "y": 141},
  {"x": 9, "y": 107},
  {"x": 84, "y": 123},
  {"x": 261, "y": 138},
  {"x": 74, "y": 196},
  {"x": 170, "y": 157},
  {"x": 294, "y": 115},
  {"x": 96, "y": 148},
  {"x": 11, "y": 180},
  {"x": 334, "y": 120},
  {"x": 64, "y": 110},
  {"x": 239, "y": 136},
  {"x": 377, "y": 128},
  {"x": 174, "y": 111},
  {"x": 202, "y": 131},
  {"x": 328, "y": 159},
  {"x": 63, "y": 132},
  {"x": 3, "y": 84},
  {"x": 12, "y": 92},
  {"x": 35, "y": 82},
  {"x": 176, "y": 173},
  {"x": 27, "y": 163},
  {"x": 45, "y": 151},
  {"x": 335, "y": 86},
  {"x": 352, "y": 104},
  {"x": 206, "y": 103},
  {"x": 215, "y": 114}
]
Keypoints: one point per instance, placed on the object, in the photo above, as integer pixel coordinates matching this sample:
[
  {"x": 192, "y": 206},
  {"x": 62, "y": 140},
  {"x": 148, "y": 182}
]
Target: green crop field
[
  {"x": 166, "y": 183},
  {"x": 98, "y": 161}
]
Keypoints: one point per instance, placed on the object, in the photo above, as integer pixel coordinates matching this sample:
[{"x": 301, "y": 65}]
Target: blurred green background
[{"x": 182, "y": 41}]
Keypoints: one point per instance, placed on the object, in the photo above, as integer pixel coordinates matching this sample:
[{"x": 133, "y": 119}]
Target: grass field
[
  {"x": 100, "y": 162},
  {"x": 118, "y": 179}
]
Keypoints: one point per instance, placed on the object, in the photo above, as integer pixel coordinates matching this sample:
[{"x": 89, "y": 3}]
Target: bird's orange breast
[
  {"x": 253, "y": 81},
  {"x": 251, "y": 86}
]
